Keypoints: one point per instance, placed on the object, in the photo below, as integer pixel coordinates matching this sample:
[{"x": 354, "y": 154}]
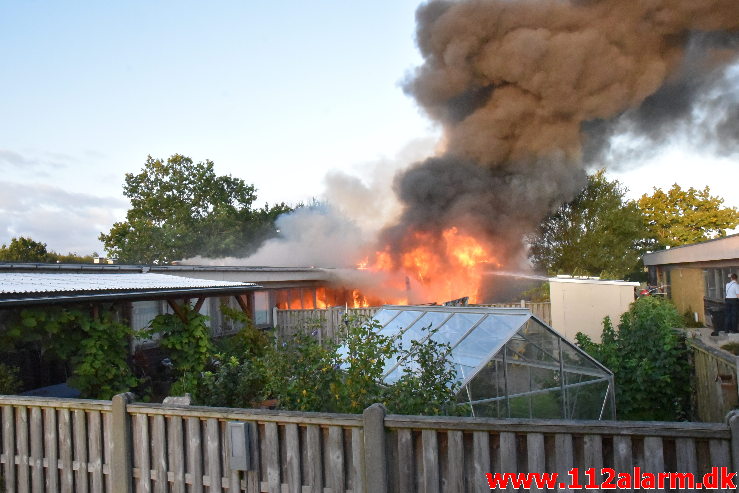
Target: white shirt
[{"x": 732, "y": 290}]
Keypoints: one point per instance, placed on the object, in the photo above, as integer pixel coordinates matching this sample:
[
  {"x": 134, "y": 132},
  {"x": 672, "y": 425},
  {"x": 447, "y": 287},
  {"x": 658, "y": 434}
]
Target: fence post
[
  {"x": 733, "y": 419},
  {"x": 121, "y": 470},
  {"x": 374, "y": 448}
]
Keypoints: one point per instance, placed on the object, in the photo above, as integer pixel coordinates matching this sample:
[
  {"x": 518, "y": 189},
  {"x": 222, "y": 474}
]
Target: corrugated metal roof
[{"x": 26, "y": 283}]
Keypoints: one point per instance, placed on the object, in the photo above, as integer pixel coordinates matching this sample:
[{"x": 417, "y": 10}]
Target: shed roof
[
  {"x": 34, "y": 287},
  {"x": 726, "y": 248}
]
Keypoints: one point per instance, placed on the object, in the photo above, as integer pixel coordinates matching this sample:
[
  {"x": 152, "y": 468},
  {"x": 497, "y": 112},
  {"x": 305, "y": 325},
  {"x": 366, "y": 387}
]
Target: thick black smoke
[{"x": 530, "y": 93}]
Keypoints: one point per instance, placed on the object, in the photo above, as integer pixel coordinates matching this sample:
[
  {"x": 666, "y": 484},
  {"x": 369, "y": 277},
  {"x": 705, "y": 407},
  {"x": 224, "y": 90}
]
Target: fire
[{"x": 433, "y": 268}]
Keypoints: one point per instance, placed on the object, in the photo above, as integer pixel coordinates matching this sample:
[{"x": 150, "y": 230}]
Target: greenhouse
[{"x": 509, "y": 364}]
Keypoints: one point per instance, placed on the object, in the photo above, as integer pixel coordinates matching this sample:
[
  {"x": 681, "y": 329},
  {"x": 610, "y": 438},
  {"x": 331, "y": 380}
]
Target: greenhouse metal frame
[{"x": 509, "y": 364}]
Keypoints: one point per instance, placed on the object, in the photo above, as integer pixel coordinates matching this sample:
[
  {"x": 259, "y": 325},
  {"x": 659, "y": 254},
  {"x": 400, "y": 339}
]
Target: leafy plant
[
  {"x": 428, "y": 384},
  {"x": 9, "y": 381},
  {"x": 649, "y": 360},
  {"x": 95, "y": 345},
  {"x": 187, "y": 342}
]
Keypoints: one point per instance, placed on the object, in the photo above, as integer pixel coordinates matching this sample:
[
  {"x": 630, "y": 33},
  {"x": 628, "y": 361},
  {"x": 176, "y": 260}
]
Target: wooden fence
[
  {"x": 67, "y": 445},
  {"x": 327, "y": 322},
  {"x": 541, "y": 310},
  {"x": 716, "y": 388}
]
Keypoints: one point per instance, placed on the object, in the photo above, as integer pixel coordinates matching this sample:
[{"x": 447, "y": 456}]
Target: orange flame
[{"x": 432, "y": 269}]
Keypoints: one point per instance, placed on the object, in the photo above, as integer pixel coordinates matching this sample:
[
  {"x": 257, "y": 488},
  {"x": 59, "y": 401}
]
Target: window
[{"x": 262, "y": 308}]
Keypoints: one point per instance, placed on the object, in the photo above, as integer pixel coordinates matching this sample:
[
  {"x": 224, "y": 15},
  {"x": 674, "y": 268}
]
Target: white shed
[{"x": 579, "y": 304}]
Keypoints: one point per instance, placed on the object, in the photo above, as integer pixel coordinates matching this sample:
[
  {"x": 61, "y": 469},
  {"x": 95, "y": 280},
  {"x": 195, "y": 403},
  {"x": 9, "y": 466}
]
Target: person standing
[{"x": 732, "y": 304}]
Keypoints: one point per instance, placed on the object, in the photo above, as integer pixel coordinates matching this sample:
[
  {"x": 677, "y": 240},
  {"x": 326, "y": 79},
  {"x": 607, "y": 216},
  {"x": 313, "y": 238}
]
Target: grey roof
[
  {"x": 726, "y": 248},
  {"x": 41, "y": 266},
  {"x": 23, "y": 288},
  {"x": 22, "y": 283}
]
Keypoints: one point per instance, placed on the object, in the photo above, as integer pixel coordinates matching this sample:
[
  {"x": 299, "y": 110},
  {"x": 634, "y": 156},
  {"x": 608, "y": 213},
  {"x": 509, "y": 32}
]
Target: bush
[
  {"x": 9, "y": 381},
  {"x": 303, "y": 375},
  {"x": 649, "y": 359}
]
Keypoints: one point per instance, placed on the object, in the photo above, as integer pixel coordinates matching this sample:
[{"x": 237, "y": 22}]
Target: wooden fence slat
[
  {"x": 107, "y": 450},
  {"x": 359, "y": 485},
  {"x": 686, "y": 456},
  {"x": 159, "y": 454},
  {"x": 142, "y": 452},
  {"x": 176, "y": 445},
  {"x": 430, "y": 444},
  {"x": 194, "y": 455},
  {"x": 292, "y": 450},
  {"x": 21, "y": 430},
  {"x": 80, "y": 451},
  {"x": 593, "y": 455},
  {"x": 535, "y": 454},
  {"x": 405, "y": 462},
  {"x": 622, "y": 455},
  {"x": 95, "y": 451},
  {"x": 481, "y": 458},
  {"x": 654, "y": 459},
  {"x": 8, "y": 448},
  {"x": 253, "y": 483},
  {"x": 65, "y": 450},
  {"x": 213, "y": 449},
  {"x": 272, "y": 445},
  {"x": 52, "y": 450},
  {"x": 455, "y": 462},
  {"x": 315, "y": 461},
  {"x": 37, "y": 451},
  {"x": 564, "y": 459},
  {"x": 719, "y": 451},
  {"x": 336, "y": 458}
]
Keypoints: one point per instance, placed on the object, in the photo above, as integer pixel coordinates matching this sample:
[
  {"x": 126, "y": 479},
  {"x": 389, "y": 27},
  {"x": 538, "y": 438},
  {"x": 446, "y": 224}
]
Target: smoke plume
[{"x": 532, "y": 92}]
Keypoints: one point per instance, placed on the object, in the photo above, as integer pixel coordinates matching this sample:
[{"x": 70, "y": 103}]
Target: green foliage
[
  {"x": 22, "y": 249},
  {"x": 363, "y": 364},
  {"x": 187, "y": 343},
  {"x": 95, "y": 346},
  {"x": 181, "y": 209},
  {"x": 428, "y": 382},
  {"x": 649, "y": 360},
  {"x": 9, "y": 381},
  {"x": 682, "y": 217},
  {"x": 597, "y": 233},
  {"x": 303, "y": 375},
  {"x": 536, "y": 294}
]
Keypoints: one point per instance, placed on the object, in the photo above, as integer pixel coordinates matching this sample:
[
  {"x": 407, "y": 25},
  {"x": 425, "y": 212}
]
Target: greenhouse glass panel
[
  {"x": 384, "y": 316},
  {"x": 397, "y": 325},
  {"x": 508, "y": 363},
  {"x": 457, "y": 327}
]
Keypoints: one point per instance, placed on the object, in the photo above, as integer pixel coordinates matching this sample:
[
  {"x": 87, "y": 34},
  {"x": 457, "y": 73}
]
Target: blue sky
[{"x": 276, "y": 93}]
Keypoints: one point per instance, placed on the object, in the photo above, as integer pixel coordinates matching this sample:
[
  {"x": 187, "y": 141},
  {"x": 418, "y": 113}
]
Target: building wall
[
  {"x": 579, "y": 305},
  {"x": 687, "y": 287}
]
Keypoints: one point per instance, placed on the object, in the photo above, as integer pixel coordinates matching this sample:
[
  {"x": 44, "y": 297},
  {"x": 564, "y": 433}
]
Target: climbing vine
[
  {"x": 95, "y": 346},
  {"x": 187, "y": 342}
]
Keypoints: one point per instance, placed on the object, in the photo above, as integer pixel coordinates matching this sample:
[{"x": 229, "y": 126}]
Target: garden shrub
[{"x": 649, "y": 359}]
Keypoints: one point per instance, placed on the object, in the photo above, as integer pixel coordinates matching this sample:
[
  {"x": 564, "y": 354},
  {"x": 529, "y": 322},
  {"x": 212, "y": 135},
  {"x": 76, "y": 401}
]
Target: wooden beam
[
  {"x": 199, "y": 304},
  {"x": 178, "y": 310},
  {"x": 244, "y": 304}
]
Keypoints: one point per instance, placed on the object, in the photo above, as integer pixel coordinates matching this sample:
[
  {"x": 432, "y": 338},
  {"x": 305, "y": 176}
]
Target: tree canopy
[
  {"x": 597, "y": 233},
  {"x": 181, "y": 209},
  {"x": 25, "y": 249},
  {"x": 682, "y": 217}
]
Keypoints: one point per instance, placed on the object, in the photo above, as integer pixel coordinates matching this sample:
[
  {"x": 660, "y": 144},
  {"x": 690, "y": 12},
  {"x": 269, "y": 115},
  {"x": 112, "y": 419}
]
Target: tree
[
  {"x": 181, "y": 209},
  {"x": 649, "y": 360},
  {"x": 22, "y": 249},
  {"x": 682, "y": 217},
  {"x": 597, "y": 233}
]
